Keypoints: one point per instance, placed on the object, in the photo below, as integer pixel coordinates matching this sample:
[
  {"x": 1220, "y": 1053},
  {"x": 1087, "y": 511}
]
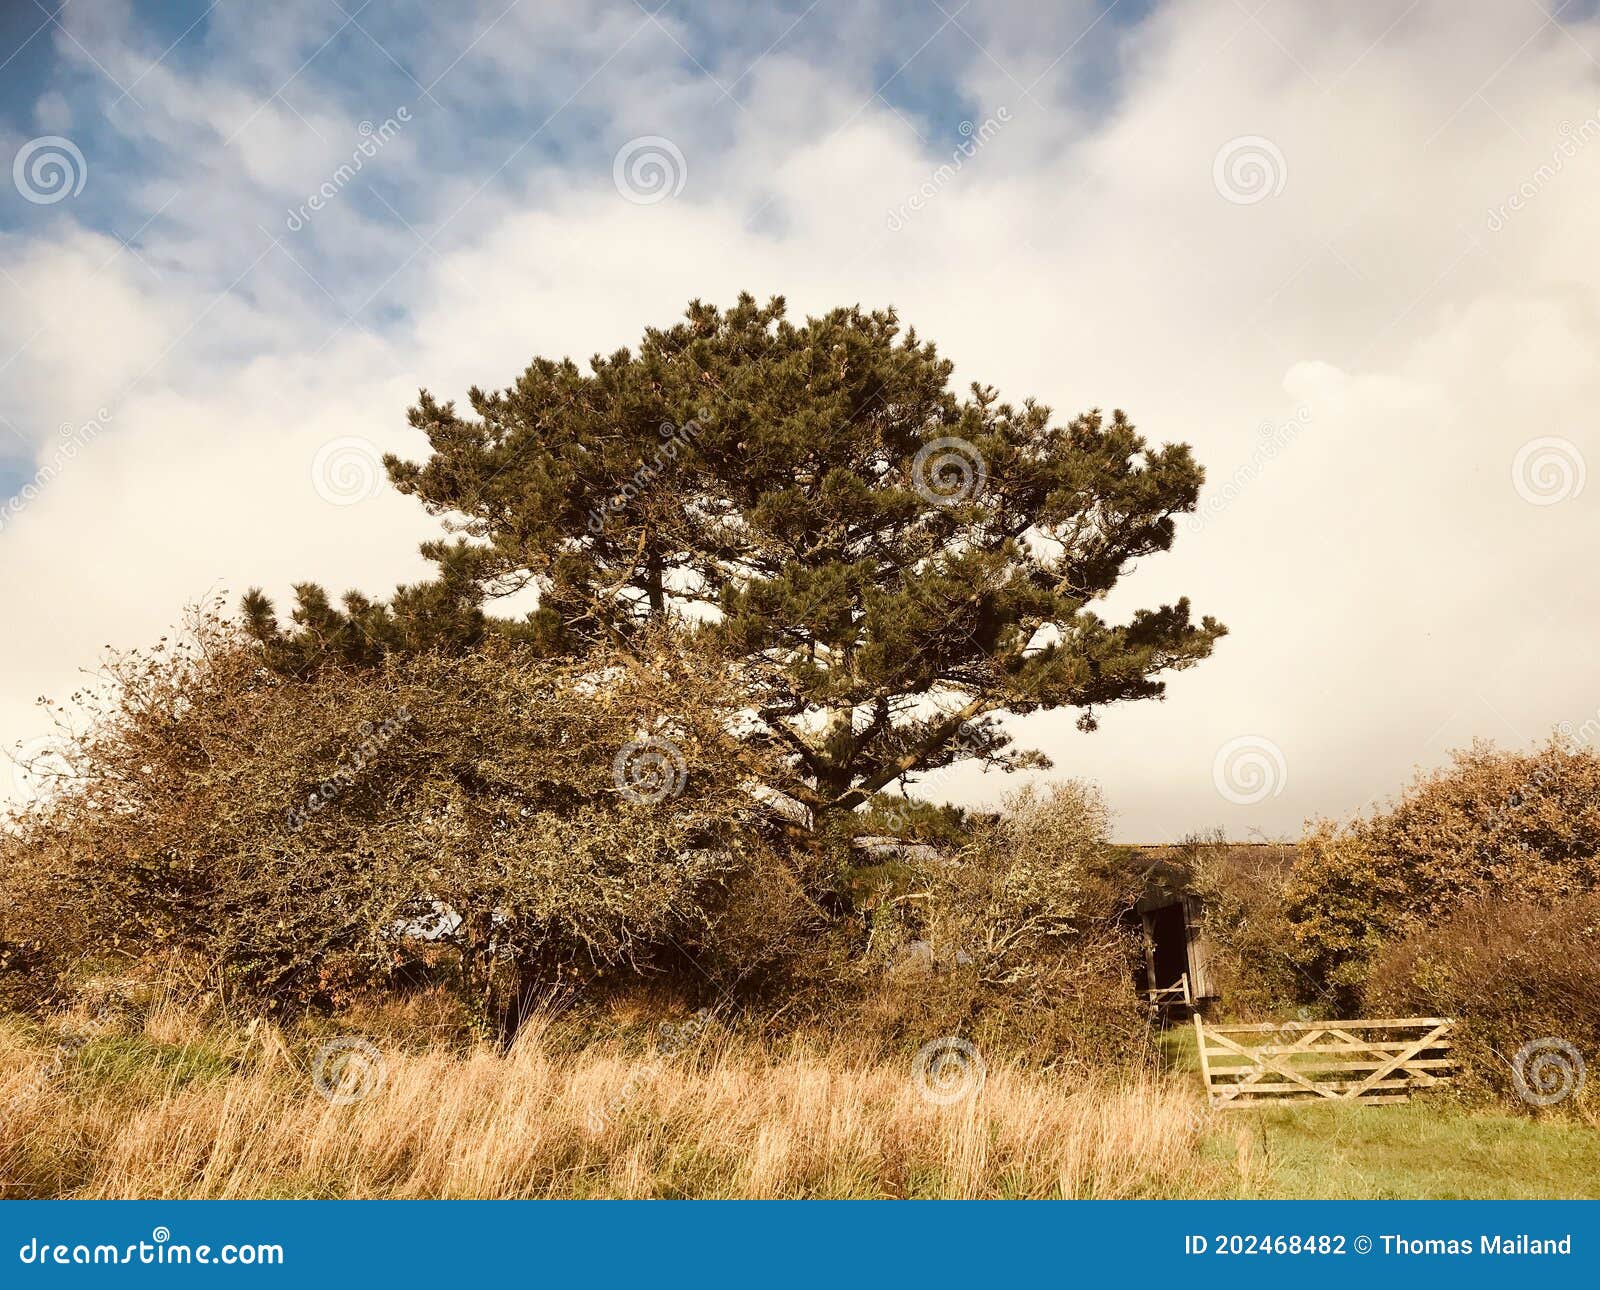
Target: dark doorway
[{"x": 1169, "y": 938}]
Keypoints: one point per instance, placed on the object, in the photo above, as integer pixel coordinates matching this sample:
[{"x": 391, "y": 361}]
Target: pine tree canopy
[{"x": 885, "y": 566}]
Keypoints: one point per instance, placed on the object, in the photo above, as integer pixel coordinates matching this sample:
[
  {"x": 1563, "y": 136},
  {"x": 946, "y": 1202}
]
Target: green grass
[
  {"x": 135, "y": 1060},
  {"x": 1434, "y": 1148},
  {"x": 1420, "y": 1150}
]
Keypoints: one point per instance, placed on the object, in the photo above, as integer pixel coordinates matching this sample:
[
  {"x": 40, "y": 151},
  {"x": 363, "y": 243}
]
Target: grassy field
[
  {"x": 1419, "y": 1151},
  {"x": 1431, "y": 1149},
  {"x": 168, "y": 1106},
  {"x": 174, "y": 1108}
]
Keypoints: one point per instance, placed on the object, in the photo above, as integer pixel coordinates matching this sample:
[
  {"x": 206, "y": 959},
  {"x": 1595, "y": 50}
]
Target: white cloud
[{"x": 1389, "y": 590}]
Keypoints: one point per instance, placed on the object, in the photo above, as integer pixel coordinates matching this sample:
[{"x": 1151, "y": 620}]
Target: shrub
[
  {"x": 1255, "y": 964},
  {"x": 289, "y": 837},
  {"x": 1341, "y": 901},
  {"x": 1039, "y": 881},
  {"x": 1025, "y": 929},
  {"x": 1511, "y": 972},
  {"x": 1523, "y": 826}
]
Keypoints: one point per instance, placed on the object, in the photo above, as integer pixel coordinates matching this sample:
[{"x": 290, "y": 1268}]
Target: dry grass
[{"x": 173, "y": 1108}]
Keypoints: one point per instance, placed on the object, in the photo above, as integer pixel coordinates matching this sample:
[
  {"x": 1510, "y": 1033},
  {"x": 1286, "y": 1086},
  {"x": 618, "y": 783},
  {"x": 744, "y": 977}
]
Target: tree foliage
[{"x": 879, "y": 565}]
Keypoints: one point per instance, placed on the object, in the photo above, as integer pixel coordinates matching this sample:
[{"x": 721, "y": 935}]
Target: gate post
[{"x": 1200, "y": 1046}]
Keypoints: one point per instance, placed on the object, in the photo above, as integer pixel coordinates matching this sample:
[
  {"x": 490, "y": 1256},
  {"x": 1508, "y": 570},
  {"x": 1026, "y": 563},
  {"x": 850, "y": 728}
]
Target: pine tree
[{"x": 887, "y": 568}]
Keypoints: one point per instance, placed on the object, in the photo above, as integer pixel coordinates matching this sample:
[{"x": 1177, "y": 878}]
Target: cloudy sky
[{"x": 1346, "y": 251}]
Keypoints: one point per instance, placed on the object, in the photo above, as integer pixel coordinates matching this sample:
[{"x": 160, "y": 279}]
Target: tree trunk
[
  {"x": 518, "y": 999},
  {"x": 654, "y": 588}
]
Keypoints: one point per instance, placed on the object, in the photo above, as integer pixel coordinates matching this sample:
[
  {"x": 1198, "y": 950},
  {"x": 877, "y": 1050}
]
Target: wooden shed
[
  {"x": 1176, "y": 955},
  {"x": 1179, "y": 965}
]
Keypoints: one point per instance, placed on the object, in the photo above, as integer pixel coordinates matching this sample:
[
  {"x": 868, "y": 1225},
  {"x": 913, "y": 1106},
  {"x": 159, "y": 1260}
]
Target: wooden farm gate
[{"x": 1376, "y": 1060}]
